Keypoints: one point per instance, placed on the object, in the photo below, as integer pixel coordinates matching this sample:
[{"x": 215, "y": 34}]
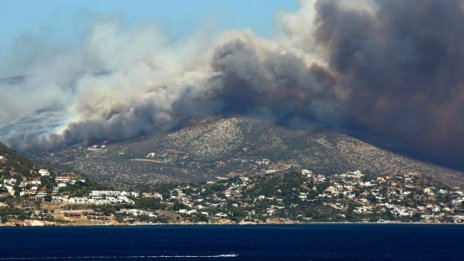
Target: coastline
[{"x": 35, "y": 224}]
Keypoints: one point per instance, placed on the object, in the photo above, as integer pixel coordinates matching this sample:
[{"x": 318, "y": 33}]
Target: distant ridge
[{"x": 13, "y": 79}]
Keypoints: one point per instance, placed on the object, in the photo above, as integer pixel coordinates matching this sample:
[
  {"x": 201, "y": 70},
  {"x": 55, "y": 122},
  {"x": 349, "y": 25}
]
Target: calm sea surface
[{"x": 286, "y": 242}]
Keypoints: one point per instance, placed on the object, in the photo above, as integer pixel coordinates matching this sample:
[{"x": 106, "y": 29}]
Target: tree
[{"x": 149, "y": 203}]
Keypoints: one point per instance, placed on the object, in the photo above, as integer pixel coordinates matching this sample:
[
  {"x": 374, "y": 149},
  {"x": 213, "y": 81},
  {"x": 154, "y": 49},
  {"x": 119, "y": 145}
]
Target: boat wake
[{"x": 118, "y": 257}]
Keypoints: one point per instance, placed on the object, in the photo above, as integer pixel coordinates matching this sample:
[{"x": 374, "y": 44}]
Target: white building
[
  {"x": 9, "y": 182},
  {"x": 34, "y": 182},
  {"x": 307, "y": 173},
  {"x": 44, "y": 172},
  {"x": 40, "y": 195},
  {"x": 10, "y": 189},
  {"x": 65, "y": 179}
]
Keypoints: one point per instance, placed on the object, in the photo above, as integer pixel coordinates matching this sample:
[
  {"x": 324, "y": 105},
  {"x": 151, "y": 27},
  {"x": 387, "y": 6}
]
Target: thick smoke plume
[
  {"x": 395, "y": 67},
  {"x": 403, "y": 65}
]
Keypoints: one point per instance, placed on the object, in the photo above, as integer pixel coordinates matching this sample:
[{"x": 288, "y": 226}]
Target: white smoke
[{"x": 117, "y": 69}]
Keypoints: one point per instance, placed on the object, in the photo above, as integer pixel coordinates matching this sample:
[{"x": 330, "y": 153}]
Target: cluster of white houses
[
  {"x": 400, "y": 195},
  {"x": 99, "y": 197},
  {"x": 396, "y": 194}
]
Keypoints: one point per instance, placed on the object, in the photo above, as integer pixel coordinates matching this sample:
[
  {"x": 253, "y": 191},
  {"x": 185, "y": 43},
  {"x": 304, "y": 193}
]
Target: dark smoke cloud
[
  {"x": 280, "y": 87},
  {"x": 395, "y": 67},
  {"x": 403, "y": 65}
]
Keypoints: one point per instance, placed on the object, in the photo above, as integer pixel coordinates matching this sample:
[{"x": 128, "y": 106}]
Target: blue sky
[{"x": 66, "y": 20}]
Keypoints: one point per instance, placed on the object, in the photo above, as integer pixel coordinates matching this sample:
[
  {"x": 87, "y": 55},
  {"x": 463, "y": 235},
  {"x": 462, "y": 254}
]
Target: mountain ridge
[
  {"x": 210, "y": 147},
  {"x": 12, "y": 163}
]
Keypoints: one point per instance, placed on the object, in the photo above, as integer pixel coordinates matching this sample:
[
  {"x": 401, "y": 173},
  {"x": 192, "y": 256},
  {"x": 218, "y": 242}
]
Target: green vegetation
[
  {"x": 13, "y": 164},
  {"x": 148, "y": 203},
  {"x": 8, "y": 213}
]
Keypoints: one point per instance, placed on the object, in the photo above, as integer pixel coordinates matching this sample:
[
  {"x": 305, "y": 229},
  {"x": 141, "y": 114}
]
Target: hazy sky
[{"x": 65, "y": 20}]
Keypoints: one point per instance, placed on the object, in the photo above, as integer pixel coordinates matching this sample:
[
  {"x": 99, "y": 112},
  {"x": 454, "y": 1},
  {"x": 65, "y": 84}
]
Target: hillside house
[
  {"x": 65, "y": 179},
  {"x": 151, "y": 155},
  {"x": 32, "y": 182},
  {"x": 9, "y": 182},
  {"x": 44, "y": 172},
  {"x": 355, "y": 177},
  {"x": 31, "y": 191}
]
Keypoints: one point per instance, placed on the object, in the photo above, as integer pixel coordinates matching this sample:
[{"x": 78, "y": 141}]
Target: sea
[{"x": 315, "y": 242}]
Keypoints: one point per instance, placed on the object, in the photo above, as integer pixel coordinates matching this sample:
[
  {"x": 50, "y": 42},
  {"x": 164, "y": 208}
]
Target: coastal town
[{"x": 287, "y": 195}]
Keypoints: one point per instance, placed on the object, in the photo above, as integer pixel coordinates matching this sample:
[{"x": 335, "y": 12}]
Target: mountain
[
  {"x": 212, "y": 147},
  {"x": 11, "y": 164}
]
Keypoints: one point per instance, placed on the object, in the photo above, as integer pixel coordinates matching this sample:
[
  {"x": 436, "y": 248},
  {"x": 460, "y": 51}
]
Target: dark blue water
[{"x": 288, "y": 242}]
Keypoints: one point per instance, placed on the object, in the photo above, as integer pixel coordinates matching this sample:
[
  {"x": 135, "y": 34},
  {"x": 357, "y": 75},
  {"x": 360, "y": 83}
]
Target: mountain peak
[{"x": 210, "y": 147}]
